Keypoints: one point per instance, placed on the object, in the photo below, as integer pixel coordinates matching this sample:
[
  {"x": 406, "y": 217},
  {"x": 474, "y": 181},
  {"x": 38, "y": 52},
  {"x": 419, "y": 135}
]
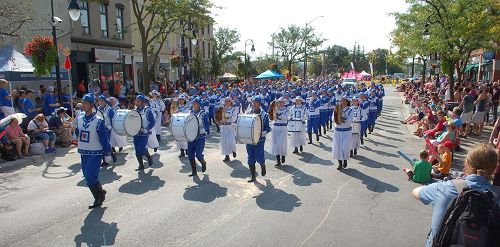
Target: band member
[
  {"x": 107, "y": 113},
  {"x": 196, "y": 147},
  {"x": 158, "y": 107},
  {"x": 116, "y": 140},
  {"x": 152, "y": 139},
  {"x": 183, "y": 107},
  {"x": 313, "y": 118},
  {"x": 93, "y": 143},
  {"x": 372, "y": 111},
  {"x": 364, "y": 104},
  {"x": 217, "y": 104},
  {"x": 331, "y": 107},
  {"x": 342, "y": 136},
  {"x": 279, "y": 142},
  {"x": 228, "y": 131},
  {"x": 323, "y": 111},
  {"x": 141, "y": 139},
  {"x": 356, "y": 123},
  {"x": 298, "y": 112},
  {"x": 256, "y": 152}
]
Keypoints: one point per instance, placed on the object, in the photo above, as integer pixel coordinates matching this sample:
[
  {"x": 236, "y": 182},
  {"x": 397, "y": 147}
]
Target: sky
[{"x": 344, "y": 22}]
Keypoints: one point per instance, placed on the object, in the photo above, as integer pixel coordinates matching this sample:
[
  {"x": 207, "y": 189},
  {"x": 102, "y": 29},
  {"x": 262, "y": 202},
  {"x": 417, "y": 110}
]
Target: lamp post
[
  {"x": 305, "y": 45},
  {"x": 182, "y": 62},
  {"x": 245, "y": 59},
  {"x": 74, "y": 13}
]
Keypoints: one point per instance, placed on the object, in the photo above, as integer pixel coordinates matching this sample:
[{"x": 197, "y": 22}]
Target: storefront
[{"x": 102, "y": 65}]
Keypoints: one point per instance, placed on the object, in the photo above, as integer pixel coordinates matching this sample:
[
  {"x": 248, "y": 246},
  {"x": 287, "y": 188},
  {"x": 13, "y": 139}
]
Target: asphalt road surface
[{"x": 44, "y": 199}]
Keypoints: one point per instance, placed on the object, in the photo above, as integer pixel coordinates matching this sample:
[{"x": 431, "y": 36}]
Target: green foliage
[
  {"x": 337, "y": 57},
  {"x": 291, "y": 41},
  {"x": 223, "y": 47},
  {"x": 379, "y": 59},
  {"x": 198, "y": 66}
]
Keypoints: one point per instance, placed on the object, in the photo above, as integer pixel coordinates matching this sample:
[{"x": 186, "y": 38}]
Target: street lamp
[
  {"x": 305, "y": 45},
  {"x": 74, "y": 13},
  {"x": 252, "y": 50}
]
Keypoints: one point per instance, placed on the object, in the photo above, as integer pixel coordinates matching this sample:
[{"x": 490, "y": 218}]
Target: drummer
[
  {"x": 158, "y": 107},
  {"x": 107, "y": 113},
  {"x": 256, "y": 152},
  {"x": 228, "y": 132},
  {"x": 364, "y": 104},
  {"x": 313, "y": 117},
  {"x": 141, "y": 139},
  {"x": 342, "y": 136},
  {"x": 298, "y": 112},
  {"x": 356, "y": 123},
  {"x": 116, "y": 140},
  {"x": 92, "y": 145},
  {"x": 196, "y": 147},
  {"x": 183, "y": 108},
  {"x": 323, "y": 110},
  {"x": 279, "y": 142}
]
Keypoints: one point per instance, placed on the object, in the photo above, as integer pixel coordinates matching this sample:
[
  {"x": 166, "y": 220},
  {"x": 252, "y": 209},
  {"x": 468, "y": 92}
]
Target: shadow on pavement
[
  {"x": 276, "y": 199},
  {"x": 143, "y": 183},
  {"x": 239, "y": 170},
  {"x": 107, "y": 175},
  {"x": 299, "y": 177},
  {"x": 380, "y": 152},
  {"x": 371, "y": 183},
  {"x": 95, "y": 232},
  {"x": 313, "y": 159},
  {"x": 374, "y": 164},
  {"x": 204, "y": 190}
]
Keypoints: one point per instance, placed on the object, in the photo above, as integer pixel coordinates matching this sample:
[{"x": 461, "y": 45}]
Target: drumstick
[{"x": 406, "y": 157}]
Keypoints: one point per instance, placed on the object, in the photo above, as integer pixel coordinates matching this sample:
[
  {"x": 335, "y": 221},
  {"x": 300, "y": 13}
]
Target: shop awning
[{"x": 471, "y": 66}]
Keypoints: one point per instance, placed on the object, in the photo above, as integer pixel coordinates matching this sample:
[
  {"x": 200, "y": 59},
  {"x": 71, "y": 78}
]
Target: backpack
[
  {"x": 471, "y": 219},
  {"x": 8, "y": 152}
]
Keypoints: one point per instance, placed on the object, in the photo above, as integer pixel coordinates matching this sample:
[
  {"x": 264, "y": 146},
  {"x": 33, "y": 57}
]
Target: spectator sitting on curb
[{"x": 421, "y": 172}]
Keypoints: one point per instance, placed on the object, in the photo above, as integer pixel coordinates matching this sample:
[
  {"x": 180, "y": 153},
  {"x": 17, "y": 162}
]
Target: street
[{"x": 307, "y": 202}]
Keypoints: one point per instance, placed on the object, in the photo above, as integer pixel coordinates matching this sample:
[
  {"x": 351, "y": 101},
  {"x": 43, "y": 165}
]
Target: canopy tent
[
  {"x": 18, "y": 69},
  {"x": 269, "y": 74},
  {"x": 364, "y": 73},
  {"x": 228, "y": 75}
]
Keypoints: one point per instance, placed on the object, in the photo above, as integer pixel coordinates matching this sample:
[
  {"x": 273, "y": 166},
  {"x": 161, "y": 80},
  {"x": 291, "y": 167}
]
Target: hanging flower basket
[
  {"x": 175, "y": 61},
  {"x": 43, "y": 54}
]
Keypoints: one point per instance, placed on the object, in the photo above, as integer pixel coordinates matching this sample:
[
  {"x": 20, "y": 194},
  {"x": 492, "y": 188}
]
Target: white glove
[
  {"x": 107, "y": 159},
  {"x": 263, "y": 134}
]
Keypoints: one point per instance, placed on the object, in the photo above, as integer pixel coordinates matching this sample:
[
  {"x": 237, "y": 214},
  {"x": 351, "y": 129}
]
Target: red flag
[{"x": 67, "y": 63}]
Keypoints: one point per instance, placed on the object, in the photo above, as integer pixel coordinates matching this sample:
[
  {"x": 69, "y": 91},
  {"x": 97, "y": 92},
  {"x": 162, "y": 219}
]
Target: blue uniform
[
  {"x": 48, "y": 99},
  {"x": 313, "y": 115},
  {"x": 256, "y": 152},
  {"x": 141, "y": 139},
  {"x": 323, "y": 110},
  {"x": 365, "y": 111},
  {"x": 196, "y": 147},
  {"x": 372, "y": 113},
  {"x": 92, "y": 145}
]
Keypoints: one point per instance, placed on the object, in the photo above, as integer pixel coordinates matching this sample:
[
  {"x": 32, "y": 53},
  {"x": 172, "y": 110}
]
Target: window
[
  {"x": 119, "y": 22},
  {"x": 84, "y": 16},
  {"x": 103, "y": 11},
  {"x": 202, "y": 30},
  {"x": 208, "y": 49}
]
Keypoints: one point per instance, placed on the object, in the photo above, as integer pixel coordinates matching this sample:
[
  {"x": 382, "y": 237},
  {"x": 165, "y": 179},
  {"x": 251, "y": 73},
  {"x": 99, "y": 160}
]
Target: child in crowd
[
  {"x": 442, "y": 168},
  {"x": 421, "y": 172}
]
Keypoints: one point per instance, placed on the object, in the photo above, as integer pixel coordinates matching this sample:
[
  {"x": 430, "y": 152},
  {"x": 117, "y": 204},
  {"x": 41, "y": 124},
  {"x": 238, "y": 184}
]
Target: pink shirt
[{"x": 13, "y": 132}]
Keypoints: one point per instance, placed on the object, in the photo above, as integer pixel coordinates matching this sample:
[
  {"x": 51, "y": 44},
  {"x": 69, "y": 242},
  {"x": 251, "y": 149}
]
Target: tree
[
  {"x": 198, "y": 65},
  {"x": 14, "y": 14},
  {"x": 337, "y": 57},
  {"x": 223, "y": 46},
  {"x": 379, "y": 59},
  {"x": 156, "y": 19},
  {"x": 290, "y": 42},
  {"x": 359, "y": 59},
  {"x": 456, "y": 28},
  {"x": 315, "y": 66}
]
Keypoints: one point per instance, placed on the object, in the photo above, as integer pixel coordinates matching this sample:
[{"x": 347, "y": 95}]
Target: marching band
[{"x": 242, "y": 115}]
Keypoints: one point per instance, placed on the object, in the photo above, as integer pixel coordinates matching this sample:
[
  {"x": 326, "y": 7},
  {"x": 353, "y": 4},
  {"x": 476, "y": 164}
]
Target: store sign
[
  {"x": 107, "y": 56},
  {"x": 488, "y": 55}
]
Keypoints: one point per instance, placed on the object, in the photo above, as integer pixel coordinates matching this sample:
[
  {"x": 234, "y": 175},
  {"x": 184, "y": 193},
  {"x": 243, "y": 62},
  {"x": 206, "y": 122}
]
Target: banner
[
  {"x": 371, "y": 68},
  {"x": 352, "y": 66}
]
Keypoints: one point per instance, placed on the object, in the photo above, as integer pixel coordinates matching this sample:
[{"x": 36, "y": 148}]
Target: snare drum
[
  {"x": 185, "y": 127},
  {"x": 127, "y": 122},
  {"x": 249, "y": 128},
  {"x": 295, "y": 126},
  {"x": 356, "y": 127}
]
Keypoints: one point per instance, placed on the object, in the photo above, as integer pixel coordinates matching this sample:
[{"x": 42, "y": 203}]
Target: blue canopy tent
[
  {"x": 17, "y": 69},
  {"x": 269, "y": 74}
]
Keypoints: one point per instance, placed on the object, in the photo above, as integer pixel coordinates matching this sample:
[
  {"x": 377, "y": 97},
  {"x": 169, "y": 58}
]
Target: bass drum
[
  {"x": 295, "y": 126},
  {"x": 127, "y": 122},
  {"x": 248, "y": 129},
  {"x": 185, "y": 127}
]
